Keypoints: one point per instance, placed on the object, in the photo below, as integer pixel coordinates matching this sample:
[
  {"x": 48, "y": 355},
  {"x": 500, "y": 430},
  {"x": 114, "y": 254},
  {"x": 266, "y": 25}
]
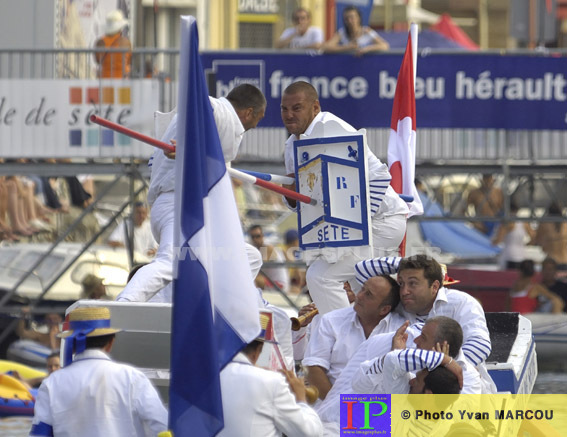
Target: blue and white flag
[{"x": 215, "y": 306}]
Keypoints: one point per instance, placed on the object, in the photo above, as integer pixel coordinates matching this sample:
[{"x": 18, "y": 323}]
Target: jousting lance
[
  {"x": 240, "y": 175},
  {"x": 256, "y": 179}
]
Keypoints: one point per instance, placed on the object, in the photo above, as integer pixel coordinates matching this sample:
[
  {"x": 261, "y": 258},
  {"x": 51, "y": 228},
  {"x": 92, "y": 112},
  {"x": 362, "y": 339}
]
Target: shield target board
[{"x": 333, "y": 171}]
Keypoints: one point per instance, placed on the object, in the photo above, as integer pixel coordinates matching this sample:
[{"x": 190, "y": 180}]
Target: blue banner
[{"x": 452, "y": 90}]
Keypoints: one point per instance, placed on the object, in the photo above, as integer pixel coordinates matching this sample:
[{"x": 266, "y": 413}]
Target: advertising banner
[
  {"x": 50, "y": 118},
  {"x": 451, "y": 90}
]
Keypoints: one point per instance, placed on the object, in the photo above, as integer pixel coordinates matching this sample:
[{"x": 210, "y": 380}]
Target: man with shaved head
[{"x": 301, "y": 111}]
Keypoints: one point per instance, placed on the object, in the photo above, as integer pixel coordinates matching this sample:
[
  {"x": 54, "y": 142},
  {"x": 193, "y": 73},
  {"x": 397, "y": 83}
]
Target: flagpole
[
  {"x": 413, "y": 32},
  {"x": 401, "y": 144}
]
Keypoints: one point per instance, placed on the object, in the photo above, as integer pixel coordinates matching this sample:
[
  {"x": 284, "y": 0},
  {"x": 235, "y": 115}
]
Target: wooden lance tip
[
  {"x": 312, "y": 394},
  {"x": 297, "y": 321}
]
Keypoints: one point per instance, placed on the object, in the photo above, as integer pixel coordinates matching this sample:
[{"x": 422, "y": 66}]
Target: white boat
[
  {"x": 145, "y": 343},
  {"x": 513, "y": 361},
  {"x": 62, "y": 267},
  {"x": 550, "y": 334}
]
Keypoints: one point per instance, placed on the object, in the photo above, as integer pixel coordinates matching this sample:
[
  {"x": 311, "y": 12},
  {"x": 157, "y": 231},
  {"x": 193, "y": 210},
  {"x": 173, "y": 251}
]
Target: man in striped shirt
[
  {"x": 423, "y": 296},
  {"x": 406, "y": 368}
]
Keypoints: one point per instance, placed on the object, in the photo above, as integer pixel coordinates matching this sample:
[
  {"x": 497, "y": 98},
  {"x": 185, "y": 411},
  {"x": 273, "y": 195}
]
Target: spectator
[
  {"x": 144, "y": 241},
  {"x": 293, "y": 253},
  {"x": 514, "y": 235},
  {"x": 114, "y": 65},
  {"x": 353, "y": 36},
  {"x": 487, "y": 201},
  {"x": 552, "y": 237},
  {"x": 526, "y": 295},
  {"x": 549, "y": 280},
  {"x": 48, "y": 339},
  {"x": 275, "y": 275},
  {"x": 94, "y": 288},
  {"x": 302, "y": 35},
  {"x": 53, "y": 363}
]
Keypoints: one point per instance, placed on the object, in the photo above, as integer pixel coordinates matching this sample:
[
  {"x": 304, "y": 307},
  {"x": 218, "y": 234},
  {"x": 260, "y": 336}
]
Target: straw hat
[
  {"x": 115, "y": 22},
  {"x": 447, "y": 280},
  {"x": 79, "y": 320}
]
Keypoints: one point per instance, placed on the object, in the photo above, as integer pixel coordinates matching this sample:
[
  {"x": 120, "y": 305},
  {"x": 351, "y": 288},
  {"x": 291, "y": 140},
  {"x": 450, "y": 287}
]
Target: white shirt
[
  {"x": 230, "y": 131},
  {"x": 367, "y": 38},
  {"x": 457, "y": 305},
  {"x": 143, "y": 237},
  {"x": 313, "y": 35},
  {"x": 258, "y": 402},
  {"x": 337, "y": 337},
  {"x": 514, "y": 245},
  {"x": 329, "y": 408},
  {"x": 392, "y": 372},
  {"x": 95, "y": 396},
  {"x": 383, "y": 199}
]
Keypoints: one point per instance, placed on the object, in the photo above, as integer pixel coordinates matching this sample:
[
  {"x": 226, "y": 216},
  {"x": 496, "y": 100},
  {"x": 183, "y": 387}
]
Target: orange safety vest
[{"x": 115, "y": 65}]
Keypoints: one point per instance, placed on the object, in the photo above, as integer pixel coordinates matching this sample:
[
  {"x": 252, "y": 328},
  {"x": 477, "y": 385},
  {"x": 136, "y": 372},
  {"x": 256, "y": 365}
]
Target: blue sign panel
[{"x": 452, "y": 90}]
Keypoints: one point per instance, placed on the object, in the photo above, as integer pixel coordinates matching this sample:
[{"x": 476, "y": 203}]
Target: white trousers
[
  {"x": 159, "y": 273},
  {"x": 325, "y": 280}
]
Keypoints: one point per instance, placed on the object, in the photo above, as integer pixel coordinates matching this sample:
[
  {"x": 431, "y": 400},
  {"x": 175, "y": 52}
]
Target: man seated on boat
[
  {"x": 338, "y": 334},
  {"x": 49, "y": 338},
  {"x": 400, "y": 363},
  {"x": 259, "y": 402},
  {"x": 422, "y": 296},
  {"x": 93, "y": 395},
  {"x": 378, "y": 346}
]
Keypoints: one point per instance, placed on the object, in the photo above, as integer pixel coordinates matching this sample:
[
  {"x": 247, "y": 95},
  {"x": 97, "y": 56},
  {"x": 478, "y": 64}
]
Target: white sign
[{"x": 50, "y": 118}]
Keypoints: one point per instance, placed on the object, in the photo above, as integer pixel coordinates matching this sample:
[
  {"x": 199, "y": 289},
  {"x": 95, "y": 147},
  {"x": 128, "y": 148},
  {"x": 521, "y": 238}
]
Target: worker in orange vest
[{"x": 114, "y": 64}]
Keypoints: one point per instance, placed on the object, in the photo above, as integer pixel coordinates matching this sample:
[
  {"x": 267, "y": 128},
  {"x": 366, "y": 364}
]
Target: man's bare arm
[{"x": 317, "y": 376}]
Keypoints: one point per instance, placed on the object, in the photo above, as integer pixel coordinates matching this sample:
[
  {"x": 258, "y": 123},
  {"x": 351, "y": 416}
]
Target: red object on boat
[{"x": 491, "y": 288}]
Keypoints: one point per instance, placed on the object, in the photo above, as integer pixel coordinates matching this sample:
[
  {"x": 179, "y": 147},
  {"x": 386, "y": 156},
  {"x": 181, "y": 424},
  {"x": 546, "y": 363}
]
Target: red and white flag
[{"x": 401, "y": 144}]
